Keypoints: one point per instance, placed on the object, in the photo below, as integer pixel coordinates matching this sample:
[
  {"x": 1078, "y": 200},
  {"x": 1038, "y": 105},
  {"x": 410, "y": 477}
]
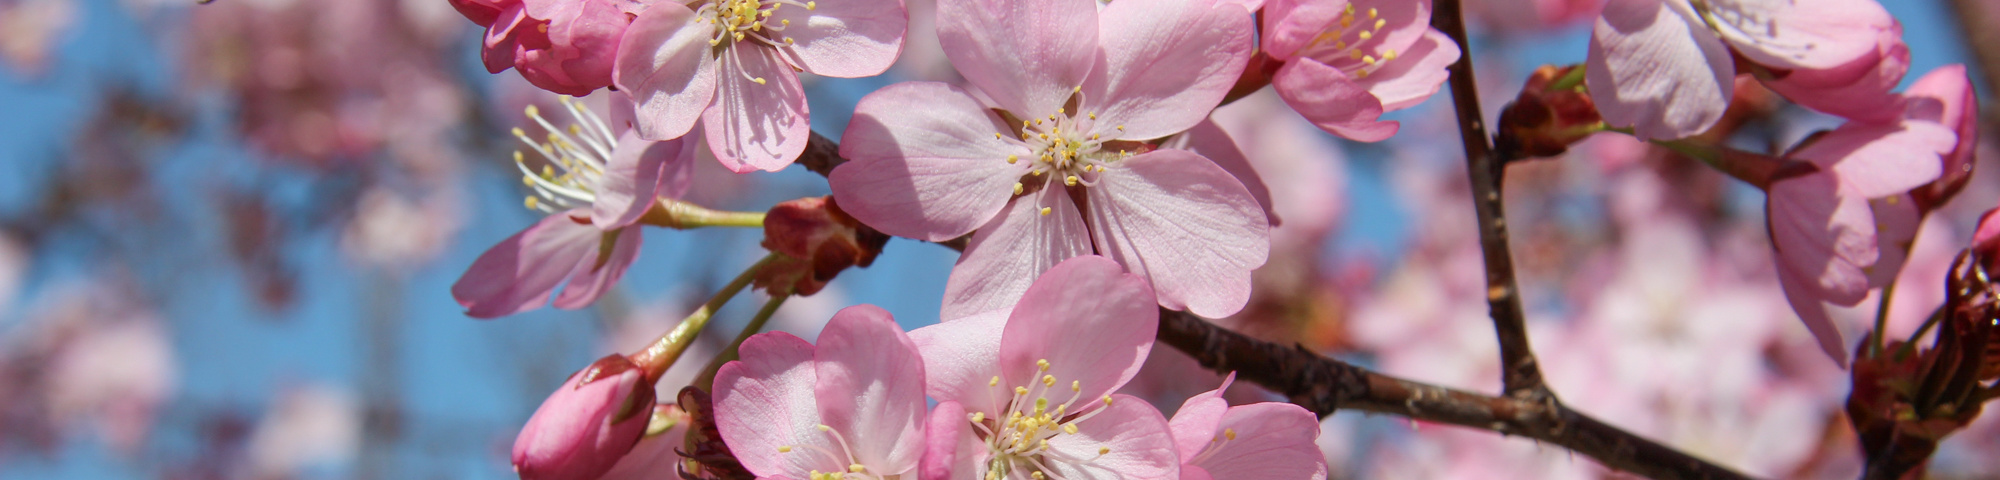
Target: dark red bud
[
  {"x": 1547, "y": 117},
  {"x": 817, "y": 241}
]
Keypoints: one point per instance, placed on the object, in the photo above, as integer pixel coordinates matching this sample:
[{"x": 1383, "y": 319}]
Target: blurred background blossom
[{"x": 228, "y": 232}]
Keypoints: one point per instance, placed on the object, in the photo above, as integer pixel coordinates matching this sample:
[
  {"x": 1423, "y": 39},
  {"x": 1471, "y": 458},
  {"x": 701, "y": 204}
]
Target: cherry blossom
[
  {"x": 1026, "y": 393},
  {"x": 1043, "y": 156},
  {"x": 1260, "y": 440},
  {"x": 850, "y": 407},
  {"x": 1665, "y": 67},
  {"x": 594, "y": 186},
  {"x": 1348, "y": 62},
  {"x": 730, "y": 64}
]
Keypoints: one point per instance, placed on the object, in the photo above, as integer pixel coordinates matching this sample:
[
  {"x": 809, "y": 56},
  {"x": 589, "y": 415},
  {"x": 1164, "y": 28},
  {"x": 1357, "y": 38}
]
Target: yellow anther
[
  {"x": 1070, "y": 180},
  {"x": 1368, "y": 59},
  {"x": 824, "y": 428},
  {"x": 1103, "y": 450},
  {"x": 1361, "y": 74},
  {"x": 997, "y": 136},
  {"x": 1037, "y": 476},
  {"x": 1042, "y": 365},
  {"x": 1043, "y": 135},
  {"x": 714, "y": 41},
  {"x": 1341, "y": 44},
  {"x": 528, "y": 180},
  {"x": 1121, "y": 128},
  {"x": 1107, "y": 400},
  {"x": 995, "y": 382},
  {"x": 1347, "y": 21},
  {"x": 1049, "y": 380},
  {"x": 784, "y": 449},
  {"x": 978, "y": 417},
  {"x": 812, "y": 5},
  {"x": 1075, "y": 385},
  {"x": 520, "y": 133},
  {"x": 1013, "y": 158},
  {"x": 1372, "y": 13},
  {"x": 1354, "y": 54},
  {"x": 1045, "y": 212},
  {"x": 1092, "y": 116},
  {"x": 1365, "y": 35},
  {"x": 1069, "y": 429},
  {"x": 575, "y": 129},
  {"x": 1380, "y": 23},
  {"x": 1017, "y": 186},
  {"x": 856, "y": 468},
  {"x": 1350, "y": 9},
  {"x": 1041, "y": 405},
  {"x": 532, "y": 202},
  {"x": 759, "y": 80},
  {"x": 1024, "y": 390},
  {"x": 1076, "y": 89},
  {"x": 533, "y": 112},
  {"x": 1229, "y": 433},
  {"x": 548, "y": 172},
  {"x": 992, "y": 475},
  {"x": 1059, "y": 110},
  {"x": 1389, "y": 54}
]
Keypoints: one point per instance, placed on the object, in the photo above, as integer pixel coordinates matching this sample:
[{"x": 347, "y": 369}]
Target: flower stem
[
  {"x": 1882, "y": 319},
  {"x": 706, "y": 381},
  {"x": 681, "y": 215},
  {"x": 667, "y": 349}
]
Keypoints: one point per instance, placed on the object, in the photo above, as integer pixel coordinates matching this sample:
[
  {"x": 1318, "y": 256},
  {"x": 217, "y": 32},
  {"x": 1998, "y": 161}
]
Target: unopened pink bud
[{"x": 582, "y": 430}]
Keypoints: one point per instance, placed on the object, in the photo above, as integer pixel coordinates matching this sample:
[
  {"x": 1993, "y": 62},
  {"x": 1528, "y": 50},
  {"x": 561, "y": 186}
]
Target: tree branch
[
  {"x": 1325, "y": 385},
  {"x": 1520, "y": 374}
]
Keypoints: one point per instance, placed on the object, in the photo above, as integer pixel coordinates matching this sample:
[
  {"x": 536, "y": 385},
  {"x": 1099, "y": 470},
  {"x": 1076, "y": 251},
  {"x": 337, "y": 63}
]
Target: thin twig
[
  {"x": 1520, "y": 374},
  {"x": 1324, "y": 385}
]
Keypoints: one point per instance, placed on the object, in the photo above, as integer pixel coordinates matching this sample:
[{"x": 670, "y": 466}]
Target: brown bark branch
[
  {"x": 1324, "y": 385},
  {"x": 1520, "y": 374}
]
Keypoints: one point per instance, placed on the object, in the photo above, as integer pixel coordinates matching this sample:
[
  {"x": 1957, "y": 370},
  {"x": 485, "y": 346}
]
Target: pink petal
[
  {"x": 1945, "y": 96},
  {"x": 871, "y": 388},
  {"x": 1191, "y": 472},
  {"x": 518, "y": 274},
  {"x": 593, "y": 276},
  {"x": 1291, "y": 24},
  {"x": 1858, "y": 90},
  {"x": 1415, "y": 75},
  {"x": 1199, "y": 420},
  {"x": 1813, "y": 314},
  {"x": 664, "y": 64},
  {"x": 499, "y": 43},
  {"x": 678, "y": 175},
  {"x": 923, "y": 162},
  {"x": 1209, "y": 140},
  {"x": 1140, "y": 445},
  {"x": 1822, "y": 235},
  {"x": 1896, "y": 221},
  {"x": 755, "y": 126},
  {"x": 1185, "y": 225},
  {"x": 765, "y": 401},
  {"x": 845, "y": 38},
  {"x": 961, "y": 356},
  {"x": 949, "y": 445},
  {"x": 1655, "y": 67},
  {"x": 1089, "y": 319},
  {"x": 1793, "y": 34},
  {"x": 1008, "y": 253},
  {"x": 1166, "y": 64},
  {"x": 1879, "y": 160},
  {"x": 630, "y": 180},
  {"x": 1332, "y": 101},
  {"x": 1273, "y": 440},
  {"x": 1025, "y": 55}
]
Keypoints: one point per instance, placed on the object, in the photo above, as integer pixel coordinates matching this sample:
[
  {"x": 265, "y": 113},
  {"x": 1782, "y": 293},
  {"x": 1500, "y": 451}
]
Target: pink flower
[
  {"x": 1256, "y": 441},
  {"x": 1657, "y": 66},
  {"x": 595, "y": 188},
  {"x": 583, "y": 429},
  {"x": 1044, "y": 157},
  {"x": 1026, "y": 393},
  {"x": 1348, "y": 62},
  {"x": 1822, "y": 225},
  {"x": 563, "y": 46},
  {"x": 730, "y": 64},
  {"x": 852, "y": 405}
]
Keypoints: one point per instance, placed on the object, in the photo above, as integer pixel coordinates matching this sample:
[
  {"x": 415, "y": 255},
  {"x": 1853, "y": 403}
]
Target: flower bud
[
  {"x": 706, "y": 455},
  {"x": 819, "y": 241},
  {"x": 582, "y": 430},
  {"x": 1553, "y": 111}
]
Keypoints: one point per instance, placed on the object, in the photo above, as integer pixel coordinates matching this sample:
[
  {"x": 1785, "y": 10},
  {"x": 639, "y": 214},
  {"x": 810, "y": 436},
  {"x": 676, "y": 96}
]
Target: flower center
[
  {"x": 741, "y": 21},
  {"x": 1065, "y": 148},
  {"x": 573, "y": 159},
  {"x": 1356, "y": 58},
  {"x": 1020, "y": 440},
  {"x": 854, "y": 470}
]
